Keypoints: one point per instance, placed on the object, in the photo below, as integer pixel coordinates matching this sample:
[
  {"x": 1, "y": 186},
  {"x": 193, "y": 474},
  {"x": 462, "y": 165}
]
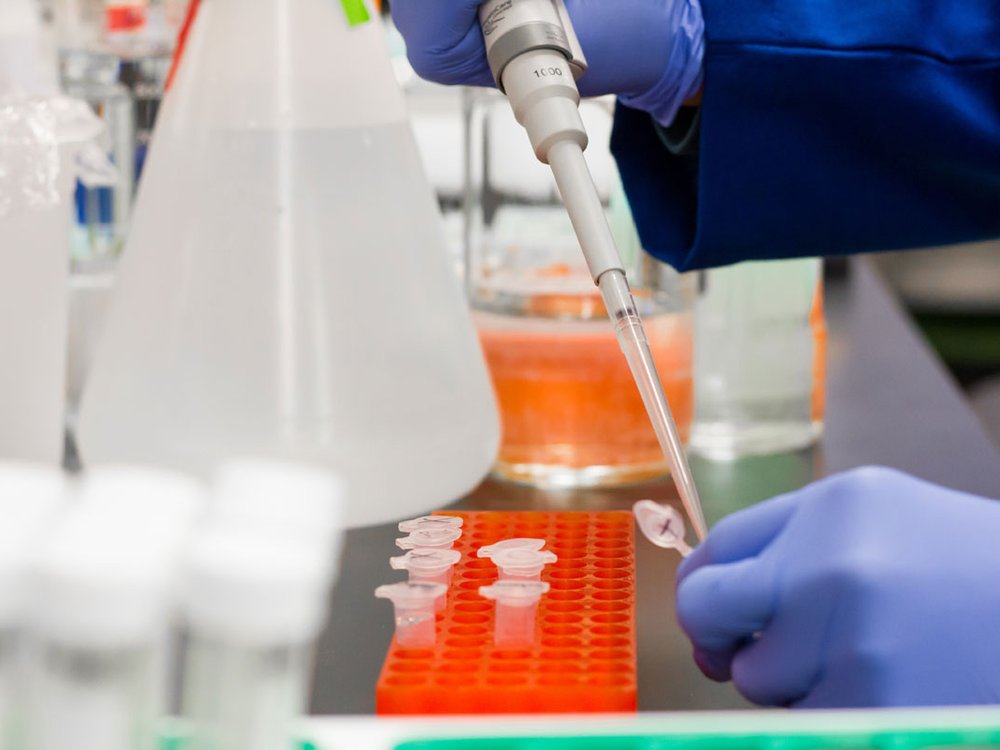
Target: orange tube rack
[{"x": 584, "y": 655}]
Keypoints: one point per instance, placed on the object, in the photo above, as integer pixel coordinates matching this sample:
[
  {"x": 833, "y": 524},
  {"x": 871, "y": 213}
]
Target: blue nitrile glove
[
  {"x": 868, "y": 588},
  {"x": 649, "y": 52}
]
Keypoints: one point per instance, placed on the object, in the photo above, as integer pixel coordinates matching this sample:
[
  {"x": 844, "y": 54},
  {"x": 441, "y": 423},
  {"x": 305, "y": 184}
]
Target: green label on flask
[{"x": 355, "y": 11}]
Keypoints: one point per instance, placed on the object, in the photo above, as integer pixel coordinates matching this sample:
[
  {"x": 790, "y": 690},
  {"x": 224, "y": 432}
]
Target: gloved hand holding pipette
[
  {"x": 868, "y": 588},
  {"x": 535, "y": 56},
  {"x": 662, "y": 42}
]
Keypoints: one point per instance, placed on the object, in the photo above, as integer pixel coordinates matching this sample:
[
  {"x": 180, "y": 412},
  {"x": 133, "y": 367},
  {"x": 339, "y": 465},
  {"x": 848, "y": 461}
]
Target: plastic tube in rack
[
  {"x": 413, "y": 605},
  {"x": 516, "y": 610},
  {"x": 521, "y": 563},
  {"x": 430, "y": 522},
  {"x": 519, "y": 543},
  {"x": 436, "y": 538},
  {"x": 427, "y": 565}
]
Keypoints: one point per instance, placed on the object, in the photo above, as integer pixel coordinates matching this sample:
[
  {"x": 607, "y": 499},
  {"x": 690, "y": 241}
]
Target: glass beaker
[
  {"x": 570, "y": 411},
  {"x": 760, "y": 359}
]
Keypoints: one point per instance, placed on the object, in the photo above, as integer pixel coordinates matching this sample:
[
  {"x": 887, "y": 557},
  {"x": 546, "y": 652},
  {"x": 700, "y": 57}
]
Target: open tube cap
[
  {"x": 426, "y": 561},
  {"x": 430, "y": 522},
  {"x": 156, "y": 503},
  {"x": 435, "y": 538},
  {"x": 662, "y": 525},
  {"x": 519, "y": 543},
  {"x": 97, "y": 586},
  {"x": 522, "y": 562}
]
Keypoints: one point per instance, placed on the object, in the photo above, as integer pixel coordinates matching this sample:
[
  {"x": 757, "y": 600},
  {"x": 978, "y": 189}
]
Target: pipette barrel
[{"x": 590, "y": 223}]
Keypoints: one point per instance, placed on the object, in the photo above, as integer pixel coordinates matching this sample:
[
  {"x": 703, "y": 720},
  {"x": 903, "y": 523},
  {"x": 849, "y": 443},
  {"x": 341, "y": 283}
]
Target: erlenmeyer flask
[{"x": 285, "y": 290}]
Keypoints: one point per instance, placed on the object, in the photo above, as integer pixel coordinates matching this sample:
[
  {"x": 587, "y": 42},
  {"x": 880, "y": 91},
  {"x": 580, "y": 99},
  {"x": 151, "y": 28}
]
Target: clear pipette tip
[
  {"x": 662, "y": 525},
  {"x": 632, "y": 339}
]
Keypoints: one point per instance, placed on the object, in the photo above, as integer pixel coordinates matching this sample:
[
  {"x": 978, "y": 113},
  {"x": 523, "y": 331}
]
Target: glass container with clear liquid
[{"x": 285, "y": 291}]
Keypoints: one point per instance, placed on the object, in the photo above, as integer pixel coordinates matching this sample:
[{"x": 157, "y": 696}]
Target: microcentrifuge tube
[
  {"x": 521, "y": 563},
  {"x": 662, "y": 525},
  {"x": 427, "y": 565},
  {"x": 519, "y": 543},
  {"x": 430, "y": 522},
  {"x": 413, "y": 604},
  {"x": 517, "y": 607},
  {"x": 436, "y": 538}
]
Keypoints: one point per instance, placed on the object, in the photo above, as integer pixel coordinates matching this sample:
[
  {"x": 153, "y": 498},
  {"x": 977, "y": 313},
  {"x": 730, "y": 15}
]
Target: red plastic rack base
[{"x": 583, "y": 659}]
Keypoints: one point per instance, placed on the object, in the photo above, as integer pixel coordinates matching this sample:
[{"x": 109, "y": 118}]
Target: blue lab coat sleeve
[{"x": 826, "y": 127}]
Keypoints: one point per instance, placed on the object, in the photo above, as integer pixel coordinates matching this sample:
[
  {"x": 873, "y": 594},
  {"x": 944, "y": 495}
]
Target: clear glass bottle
[
  {"x": 571, "y": 414},
  {"x": 759, "y": 359}
]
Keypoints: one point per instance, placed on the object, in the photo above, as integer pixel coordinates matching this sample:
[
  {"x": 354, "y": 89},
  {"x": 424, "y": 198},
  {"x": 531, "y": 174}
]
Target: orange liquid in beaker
[{"x": 570, "y": 411}]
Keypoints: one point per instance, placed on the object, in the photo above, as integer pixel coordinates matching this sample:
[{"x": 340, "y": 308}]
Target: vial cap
[
  {"x": 430, "y": 522},
  {"x": 426, "y": 560},
  {"x": 434, "y": 538},
  {"x": 515, "y": 559},
  {"x": 517, "y": 543},
  {"x": 254, "y": 589}
]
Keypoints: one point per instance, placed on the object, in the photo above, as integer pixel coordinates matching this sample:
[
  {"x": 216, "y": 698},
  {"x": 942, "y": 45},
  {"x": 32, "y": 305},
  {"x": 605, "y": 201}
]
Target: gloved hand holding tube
[
  {"x": 868, "y": 588},
  {"x": 649, "y": 52}
]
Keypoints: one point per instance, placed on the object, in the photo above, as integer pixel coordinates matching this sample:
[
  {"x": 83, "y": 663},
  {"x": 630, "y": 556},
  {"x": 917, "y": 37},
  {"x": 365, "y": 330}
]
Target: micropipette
[{"x": 536, "y": 58}]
